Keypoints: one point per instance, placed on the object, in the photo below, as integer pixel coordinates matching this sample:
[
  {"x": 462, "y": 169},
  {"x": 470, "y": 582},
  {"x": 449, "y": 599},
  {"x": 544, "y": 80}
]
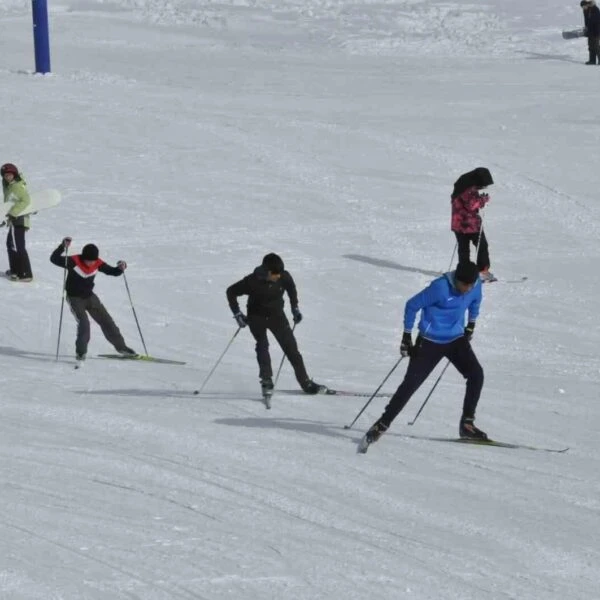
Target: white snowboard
[{"x": 39, "y": 201}]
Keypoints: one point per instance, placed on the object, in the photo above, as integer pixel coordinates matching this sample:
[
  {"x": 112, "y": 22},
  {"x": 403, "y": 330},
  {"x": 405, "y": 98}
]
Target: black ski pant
[
  {"x": 81, "y": 307},
  {"x": 427, "y": 355},
  {"x": 279, "y": 326},
  {"x": 464, "y": 248},
  {"x": 18, "y": 258},
  {"x": 594, "y": 49}
]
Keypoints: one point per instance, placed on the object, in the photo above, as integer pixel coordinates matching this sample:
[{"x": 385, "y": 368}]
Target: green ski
[
  {"x": 488, "y": 443},
  {"x": 143, "y": 357}
]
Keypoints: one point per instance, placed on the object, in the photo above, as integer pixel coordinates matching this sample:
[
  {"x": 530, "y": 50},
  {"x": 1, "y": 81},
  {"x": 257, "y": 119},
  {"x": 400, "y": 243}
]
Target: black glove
[
  {"x": 241, "y": 319},
  {"x": 406, "y": 345},
  {"x": 297, "y": 315},
  {"x": 469, "y": 329},
  {"x": 66, "y": 242}
]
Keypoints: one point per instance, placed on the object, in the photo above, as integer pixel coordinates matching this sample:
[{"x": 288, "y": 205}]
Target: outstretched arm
[
  {"x": 57, "y": 257},
  {"x": 108, "y": 270}
]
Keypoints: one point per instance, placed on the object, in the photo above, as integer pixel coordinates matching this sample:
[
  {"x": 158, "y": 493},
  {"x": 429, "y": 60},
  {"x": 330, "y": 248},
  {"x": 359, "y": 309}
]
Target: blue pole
[{"x": 41, "y": 36}]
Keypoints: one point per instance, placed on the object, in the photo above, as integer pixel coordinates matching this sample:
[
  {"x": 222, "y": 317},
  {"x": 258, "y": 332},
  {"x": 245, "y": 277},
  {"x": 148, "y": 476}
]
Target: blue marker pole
[{"x": 41, "y": 36}]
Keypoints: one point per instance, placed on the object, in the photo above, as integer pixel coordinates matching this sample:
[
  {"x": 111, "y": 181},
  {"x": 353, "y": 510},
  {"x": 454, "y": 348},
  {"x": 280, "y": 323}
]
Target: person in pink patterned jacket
[{"x": 466, "y": 220}]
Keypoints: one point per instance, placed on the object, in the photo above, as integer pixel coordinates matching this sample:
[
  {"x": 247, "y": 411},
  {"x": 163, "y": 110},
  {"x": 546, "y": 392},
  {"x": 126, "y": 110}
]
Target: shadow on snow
[{"x": 390, "y": 264}]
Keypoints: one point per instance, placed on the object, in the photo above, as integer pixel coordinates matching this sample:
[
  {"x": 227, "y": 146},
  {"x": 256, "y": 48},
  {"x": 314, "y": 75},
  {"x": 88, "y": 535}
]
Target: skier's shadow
[
  {"x": 165, "y": 393},
  {"x": 301, "y": 425},
  {"x": 559, "y": 57},
  {"x": 38, "y": 356},
  {"x": 390, "y": 264}
]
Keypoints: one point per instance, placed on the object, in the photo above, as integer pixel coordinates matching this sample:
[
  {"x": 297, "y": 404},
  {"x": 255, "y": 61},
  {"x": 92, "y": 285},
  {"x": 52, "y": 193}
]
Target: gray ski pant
[{"x": 81, "y": 307}]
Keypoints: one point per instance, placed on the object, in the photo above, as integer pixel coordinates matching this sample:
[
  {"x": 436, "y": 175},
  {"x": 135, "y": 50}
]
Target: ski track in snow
[{"x": 190, "y": 139}]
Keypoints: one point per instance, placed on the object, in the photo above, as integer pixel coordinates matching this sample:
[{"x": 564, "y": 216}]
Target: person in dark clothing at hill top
[
  {"x": 81, "y": 271},
  {"x": 591, "y": 19},
  {"x": 265, "y": 288}
]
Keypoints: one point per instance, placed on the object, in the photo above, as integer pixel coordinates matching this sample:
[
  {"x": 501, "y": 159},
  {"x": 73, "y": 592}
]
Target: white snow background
[{"x": 190, "y": 138}]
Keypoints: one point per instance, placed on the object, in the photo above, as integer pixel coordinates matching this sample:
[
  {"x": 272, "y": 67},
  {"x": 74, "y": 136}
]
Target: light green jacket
[{"x": 16, "y": 199}]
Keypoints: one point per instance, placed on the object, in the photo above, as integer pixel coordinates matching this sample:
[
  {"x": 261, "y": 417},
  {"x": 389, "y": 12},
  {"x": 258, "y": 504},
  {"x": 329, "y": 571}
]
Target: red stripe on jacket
[{"x": 86, "y": 270}]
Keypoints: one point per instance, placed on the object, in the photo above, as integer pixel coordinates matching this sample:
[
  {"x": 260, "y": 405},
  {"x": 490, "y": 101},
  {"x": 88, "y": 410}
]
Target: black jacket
[
  {"x": 265, "y": 298},
  {"x": 80, "y": 277},
  {"x": 591, "y": 18},
  {"x": 479, "y": 177}
]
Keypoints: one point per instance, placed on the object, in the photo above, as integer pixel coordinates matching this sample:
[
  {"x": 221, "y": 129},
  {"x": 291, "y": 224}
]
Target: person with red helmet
[{"x": 16, "y": 199}]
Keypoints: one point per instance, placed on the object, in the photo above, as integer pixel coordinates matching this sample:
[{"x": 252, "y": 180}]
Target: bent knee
[{"x": 475, "y": 375}]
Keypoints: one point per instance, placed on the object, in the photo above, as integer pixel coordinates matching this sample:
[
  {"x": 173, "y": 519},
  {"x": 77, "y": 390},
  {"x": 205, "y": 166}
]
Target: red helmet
[{"x": 9, "y": 168}]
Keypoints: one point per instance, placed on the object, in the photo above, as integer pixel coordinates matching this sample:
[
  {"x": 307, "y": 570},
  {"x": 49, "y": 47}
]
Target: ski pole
[
  {"x": 429, "y": 395},
  {"x": 479, "y": 238},
  {"x": 62, "y": 302},
  {"x": 374, "y": 393},
  {"x": 281, "y": 364},
  {"x": 452, "y": 257},
  {"x": 134, "y": 313},
  {"x": 218, "y": 362}
]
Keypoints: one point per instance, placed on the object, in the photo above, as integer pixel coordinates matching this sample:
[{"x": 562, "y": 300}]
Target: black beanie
[
  {"x": 90, "y": 252},
  {"x": 466, "y": 272},
  {"x": 273, "y": 263}
]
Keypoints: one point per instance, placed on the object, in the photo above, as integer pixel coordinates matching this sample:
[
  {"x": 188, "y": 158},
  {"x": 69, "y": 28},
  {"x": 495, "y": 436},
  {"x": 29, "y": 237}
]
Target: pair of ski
[
  {"x": 363, "y": 445},
  {"x": 325, "y": 391},
  {"x": 499, "y": 280},
  {"x": 142, "y": 357}
]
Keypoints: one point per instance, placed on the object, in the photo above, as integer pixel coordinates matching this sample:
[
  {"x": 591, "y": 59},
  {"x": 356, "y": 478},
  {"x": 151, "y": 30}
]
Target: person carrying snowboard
[
  {"x": 442, "y": 334},
  {"x": 591, "y": 19},
  {"x": 466, "y": 222},
  {"x": 16, "y": 199},
  {"x": 81, "y": 271},
  {"x": 265, "y": 287}
]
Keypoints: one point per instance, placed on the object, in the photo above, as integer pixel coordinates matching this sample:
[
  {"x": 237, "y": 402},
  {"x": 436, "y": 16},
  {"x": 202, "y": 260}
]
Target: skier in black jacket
[
  {"x": 591, "y": 18},
  {"x": 265, "y": 288},
  {"x": 79, "y": 286}
]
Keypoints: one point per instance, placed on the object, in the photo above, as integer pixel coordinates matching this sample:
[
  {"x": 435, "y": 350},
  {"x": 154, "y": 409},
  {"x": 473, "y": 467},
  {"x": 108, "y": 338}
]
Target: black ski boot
[
  {"x": 468, "y": 431},
  {"x": 310, "y": 387},
  {"x": 127, "y": 352},
  {"x": 80, "y": 360},
  {"x": 266, "y": 384},
  {"x": 376, "y": 431}
]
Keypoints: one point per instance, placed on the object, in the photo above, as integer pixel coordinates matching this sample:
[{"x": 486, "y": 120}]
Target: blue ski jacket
[{"x": 442, "y": 309}]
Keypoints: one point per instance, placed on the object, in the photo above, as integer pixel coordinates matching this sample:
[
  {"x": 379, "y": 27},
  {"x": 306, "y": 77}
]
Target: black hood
[
  {"x": 480, "y": 177},
  {"x": 261, "y": 273}
]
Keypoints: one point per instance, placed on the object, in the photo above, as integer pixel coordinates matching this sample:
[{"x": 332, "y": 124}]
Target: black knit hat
[
  {"x": 466, "y": 272},
  {"x": 90, "y": 252},
  {"x": 273, "y": 263}
]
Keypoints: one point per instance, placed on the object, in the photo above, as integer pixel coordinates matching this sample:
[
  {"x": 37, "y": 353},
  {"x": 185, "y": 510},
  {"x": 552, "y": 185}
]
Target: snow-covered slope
[{"x": 190, "y": 139}]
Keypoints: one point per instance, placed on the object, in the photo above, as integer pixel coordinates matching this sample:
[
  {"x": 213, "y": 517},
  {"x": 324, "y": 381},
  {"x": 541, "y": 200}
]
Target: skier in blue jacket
[{"x": 442, "y": 333}]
